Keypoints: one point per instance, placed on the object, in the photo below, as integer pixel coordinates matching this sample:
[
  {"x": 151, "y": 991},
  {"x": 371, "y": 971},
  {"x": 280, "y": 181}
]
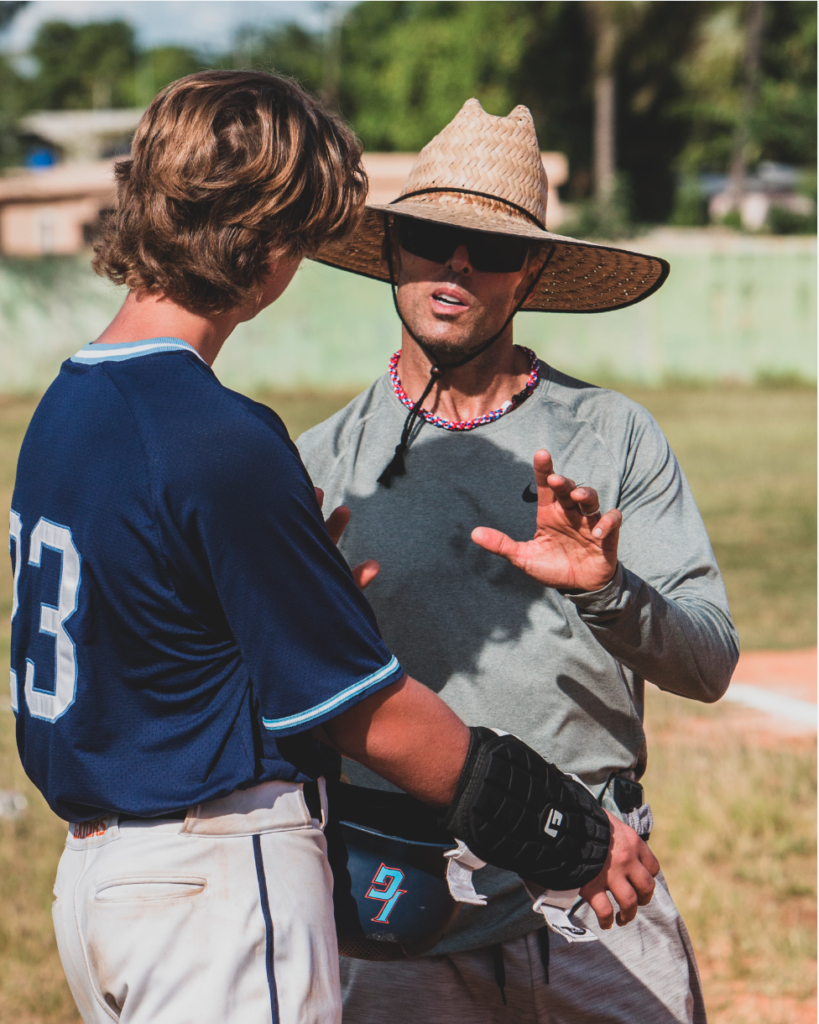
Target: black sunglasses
[{"x": 492, "y": 254}]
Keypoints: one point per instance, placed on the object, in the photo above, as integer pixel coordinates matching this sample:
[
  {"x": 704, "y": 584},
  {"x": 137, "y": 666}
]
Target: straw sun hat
[{"x": 485, "y": 173}]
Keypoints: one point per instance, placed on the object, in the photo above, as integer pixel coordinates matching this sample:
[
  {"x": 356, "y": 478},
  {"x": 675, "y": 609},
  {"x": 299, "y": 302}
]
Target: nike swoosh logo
[{"x": 529, "y": 495}]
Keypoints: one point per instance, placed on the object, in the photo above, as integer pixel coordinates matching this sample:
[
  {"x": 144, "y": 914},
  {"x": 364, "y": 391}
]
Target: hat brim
[{"x": 580, "y": 277}]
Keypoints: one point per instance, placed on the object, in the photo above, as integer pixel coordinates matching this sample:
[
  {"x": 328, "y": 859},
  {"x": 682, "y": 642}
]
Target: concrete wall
[
  {"x": 39, "y": 229},
  {"x": 734, "y": 308}
]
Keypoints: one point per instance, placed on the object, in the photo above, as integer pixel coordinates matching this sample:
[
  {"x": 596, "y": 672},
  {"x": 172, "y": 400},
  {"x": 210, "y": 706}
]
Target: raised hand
[
  {"x": 574, "y": 546},
  {"x": 336, "y": 524}
]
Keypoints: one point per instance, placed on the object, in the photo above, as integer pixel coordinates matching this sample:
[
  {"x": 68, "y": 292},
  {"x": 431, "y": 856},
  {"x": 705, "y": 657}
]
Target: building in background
[
  {"x": 768, "y": 195},
  {"x": 82, "y": 136},
  {"x": 57, "y": 210},
  {"x": 54, "y": 206}
]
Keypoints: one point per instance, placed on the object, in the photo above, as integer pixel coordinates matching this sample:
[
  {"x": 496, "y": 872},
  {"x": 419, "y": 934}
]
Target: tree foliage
[
  {"x": 407, "y": 67},
  {"x": 401, "y": 70},
  {"x": 83, "y": 66},
  {"x": 79, "y": 67},
  {"x": 288, "y": 50},
  {"x": 787, "y": 114},
  {"x": 783, "y": 124},
  {"x": 160, "y": 66}
]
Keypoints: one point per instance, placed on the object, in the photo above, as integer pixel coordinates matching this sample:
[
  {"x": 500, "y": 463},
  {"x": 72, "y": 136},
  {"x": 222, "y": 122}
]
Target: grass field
[{"x": 737, "y": 816}]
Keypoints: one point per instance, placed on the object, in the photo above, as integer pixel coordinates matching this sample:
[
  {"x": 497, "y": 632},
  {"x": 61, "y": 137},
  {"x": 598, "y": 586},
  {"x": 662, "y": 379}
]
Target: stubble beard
[
  {"x": 450, "y": 350},
  {"x": 441, "y": 349}
]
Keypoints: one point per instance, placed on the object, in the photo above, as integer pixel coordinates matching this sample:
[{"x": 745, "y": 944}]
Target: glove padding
[{"x": 516, "y": 811}]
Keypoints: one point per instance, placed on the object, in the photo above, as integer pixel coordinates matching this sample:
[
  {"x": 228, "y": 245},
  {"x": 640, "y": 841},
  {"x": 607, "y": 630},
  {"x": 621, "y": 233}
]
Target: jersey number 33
[{"x": 47, "y": 704}]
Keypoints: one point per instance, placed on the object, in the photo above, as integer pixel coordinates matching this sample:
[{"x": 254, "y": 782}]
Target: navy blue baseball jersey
[{"x": 181, "y": 618}]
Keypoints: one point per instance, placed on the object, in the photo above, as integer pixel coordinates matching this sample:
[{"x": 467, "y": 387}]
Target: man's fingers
[
  {"x": 623, "y": 892},
  {"x": 608, "y": 526},
  {"x": 586, "y": 498},
  {"x": 338, "y": 519},
  {"x": 543, "y": 464},
  {"x": 562, "y": 487},
  {"x": 642, "y": 881},
  {"x": 601, "y": 905},
  {"x": 366, "y": 572},
  {"x": 644, "y": 888},
  {"x": 543, "y": 470},
  {"x": 628, "y": 893},
  {"x": 496, "y": 542},
  {"x": 649, "y": 861},
  {"x": 337, "y": 522}
]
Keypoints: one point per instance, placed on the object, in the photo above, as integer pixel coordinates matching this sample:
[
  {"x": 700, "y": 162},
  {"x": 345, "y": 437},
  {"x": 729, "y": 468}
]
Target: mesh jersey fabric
[{"x": 213, "y": 623}]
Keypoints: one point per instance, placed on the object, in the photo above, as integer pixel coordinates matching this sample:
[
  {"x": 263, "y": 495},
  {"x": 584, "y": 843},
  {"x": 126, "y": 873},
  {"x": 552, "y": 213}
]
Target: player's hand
[
  {"x": 336, "y": 524},
  {"x": 628, "y": 875},
  {"x": 569, "y": 551}
]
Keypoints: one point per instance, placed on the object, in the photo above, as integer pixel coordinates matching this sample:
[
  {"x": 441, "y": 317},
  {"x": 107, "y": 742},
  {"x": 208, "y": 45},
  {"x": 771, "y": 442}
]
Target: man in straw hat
[{"x": 553, "y": 640}]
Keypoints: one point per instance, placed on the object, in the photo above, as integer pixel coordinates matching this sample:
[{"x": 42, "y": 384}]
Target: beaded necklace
[{"x": 478, "y": 421}]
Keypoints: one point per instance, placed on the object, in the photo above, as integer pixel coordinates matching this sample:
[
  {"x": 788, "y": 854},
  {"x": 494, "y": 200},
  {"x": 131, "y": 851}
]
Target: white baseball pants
[{"x": 225, "y": 917}]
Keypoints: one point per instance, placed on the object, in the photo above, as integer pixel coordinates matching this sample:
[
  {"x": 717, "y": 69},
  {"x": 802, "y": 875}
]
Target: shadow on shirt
[{"x": 441, "y": 601}]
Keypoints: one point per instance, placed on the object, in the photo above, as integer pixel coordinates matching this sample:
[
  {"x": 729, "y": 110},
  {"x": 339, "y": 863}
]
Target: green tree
[
  {"x": 287, "y": 49},
  {"x": 653, "y": 49},
  {"x": 84, "y": 66},
  {"x": 162, "y": 65},
  {"x": 785, "y": 122},
  {"x": 782, "y": 123},
  {"x": 675, "y": 73},
  {"x": 12, "y": 106},
  {"x": 408, "y": 67},
  {"x": 12, "y": 101}
]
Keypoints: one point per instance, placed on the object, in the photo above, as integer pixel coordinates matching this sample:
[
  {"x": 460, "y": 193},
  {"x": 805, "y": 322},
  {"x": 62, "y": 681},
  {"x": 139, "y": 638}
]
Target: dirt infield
[
  {"x": 792, "y": 673},
  {"x": 787, "y": 676},
  {"x": 733, "y": 794}
]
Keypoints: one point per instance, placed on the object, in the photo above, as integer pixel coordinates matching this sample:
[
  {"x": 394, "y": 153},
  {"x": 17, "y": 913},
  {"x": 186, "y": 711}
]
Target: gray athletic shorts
[{"x": 644, "y": 973}]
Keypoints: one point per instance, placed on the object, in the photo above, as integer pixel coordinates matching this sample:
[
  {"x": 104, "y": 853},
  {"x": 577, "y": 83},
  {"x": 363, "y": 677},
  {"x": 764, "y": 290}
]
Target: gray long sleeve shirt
[{"x": 565, "y": 672}]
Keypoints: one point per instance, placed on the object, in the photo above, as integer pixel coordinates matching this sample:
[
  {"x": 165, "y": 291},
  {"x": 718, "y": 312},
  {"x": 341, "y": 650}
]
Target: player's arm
[{"x": 409, "y": 736}]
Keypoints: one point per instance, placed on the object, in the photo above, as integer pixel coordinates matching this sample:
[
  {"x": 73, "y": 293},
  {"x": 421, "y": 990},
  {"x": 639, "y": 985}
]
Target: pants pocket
[{"x": 139, "y": 888}]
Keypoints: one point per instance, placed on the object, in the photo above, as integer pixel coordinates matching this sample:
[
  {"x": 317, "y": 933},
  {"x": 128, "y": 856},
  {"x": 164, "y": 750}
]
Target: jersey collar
[{"x": 92, "y": 353}]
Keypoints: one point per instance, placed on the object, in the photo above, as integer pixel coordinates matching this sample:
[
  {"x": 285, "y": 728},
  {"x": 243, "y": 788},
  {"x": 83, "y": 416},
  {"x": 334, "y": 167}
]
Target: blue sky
[{"x": 201, "y": 24}]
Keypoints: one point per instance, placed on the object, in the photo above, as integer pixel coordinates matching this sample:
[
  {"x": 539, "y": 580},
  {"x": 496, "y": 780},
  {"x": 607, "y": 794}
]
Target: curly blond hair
[{"x": 228, "y": 170}]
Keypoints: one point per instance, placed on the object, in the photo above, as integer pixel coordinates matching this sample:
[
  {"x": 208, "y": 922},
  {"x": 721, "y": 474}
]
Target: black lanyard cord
[{"x": 397, "y": 465}]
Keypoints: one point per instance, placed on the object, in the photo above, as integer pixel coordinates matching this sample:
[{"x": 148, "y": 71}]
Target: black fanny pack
[{"x": 386, "y": 851}]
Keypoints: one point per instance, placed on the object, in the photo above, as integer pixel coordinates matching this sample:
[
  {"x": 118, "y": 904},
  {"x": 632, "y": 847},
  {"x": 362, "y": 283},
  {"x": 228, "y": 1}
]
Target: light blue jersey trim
[
  {"x": 93, "y": 353},
  {"x": 275, "y": 724}
]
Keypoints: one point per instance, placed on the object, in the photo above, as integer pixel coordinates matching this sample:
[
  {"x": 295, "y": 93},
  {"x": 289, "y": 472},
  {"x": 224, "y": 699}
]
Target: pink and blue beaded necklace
[{"x": 478, "y": 421}]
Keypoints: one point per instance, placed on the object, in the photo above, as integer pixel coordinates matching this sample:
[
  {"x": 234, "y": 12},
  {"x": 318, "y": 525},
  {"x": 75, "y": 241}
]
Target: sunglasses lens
[
  {"x": 492, "y": 254},
  {"x": 435, "y": 242},
  {"x": 497, "y": 254}
]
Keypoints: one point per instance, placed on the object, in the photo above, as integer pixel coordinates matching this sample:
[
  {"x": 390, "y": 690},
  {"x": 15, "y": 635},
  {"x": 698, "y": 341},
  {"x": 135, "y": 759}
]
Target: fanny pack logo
[
  {"x": 552, "y": 823},
  {"x": 390, "y": 879}
]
